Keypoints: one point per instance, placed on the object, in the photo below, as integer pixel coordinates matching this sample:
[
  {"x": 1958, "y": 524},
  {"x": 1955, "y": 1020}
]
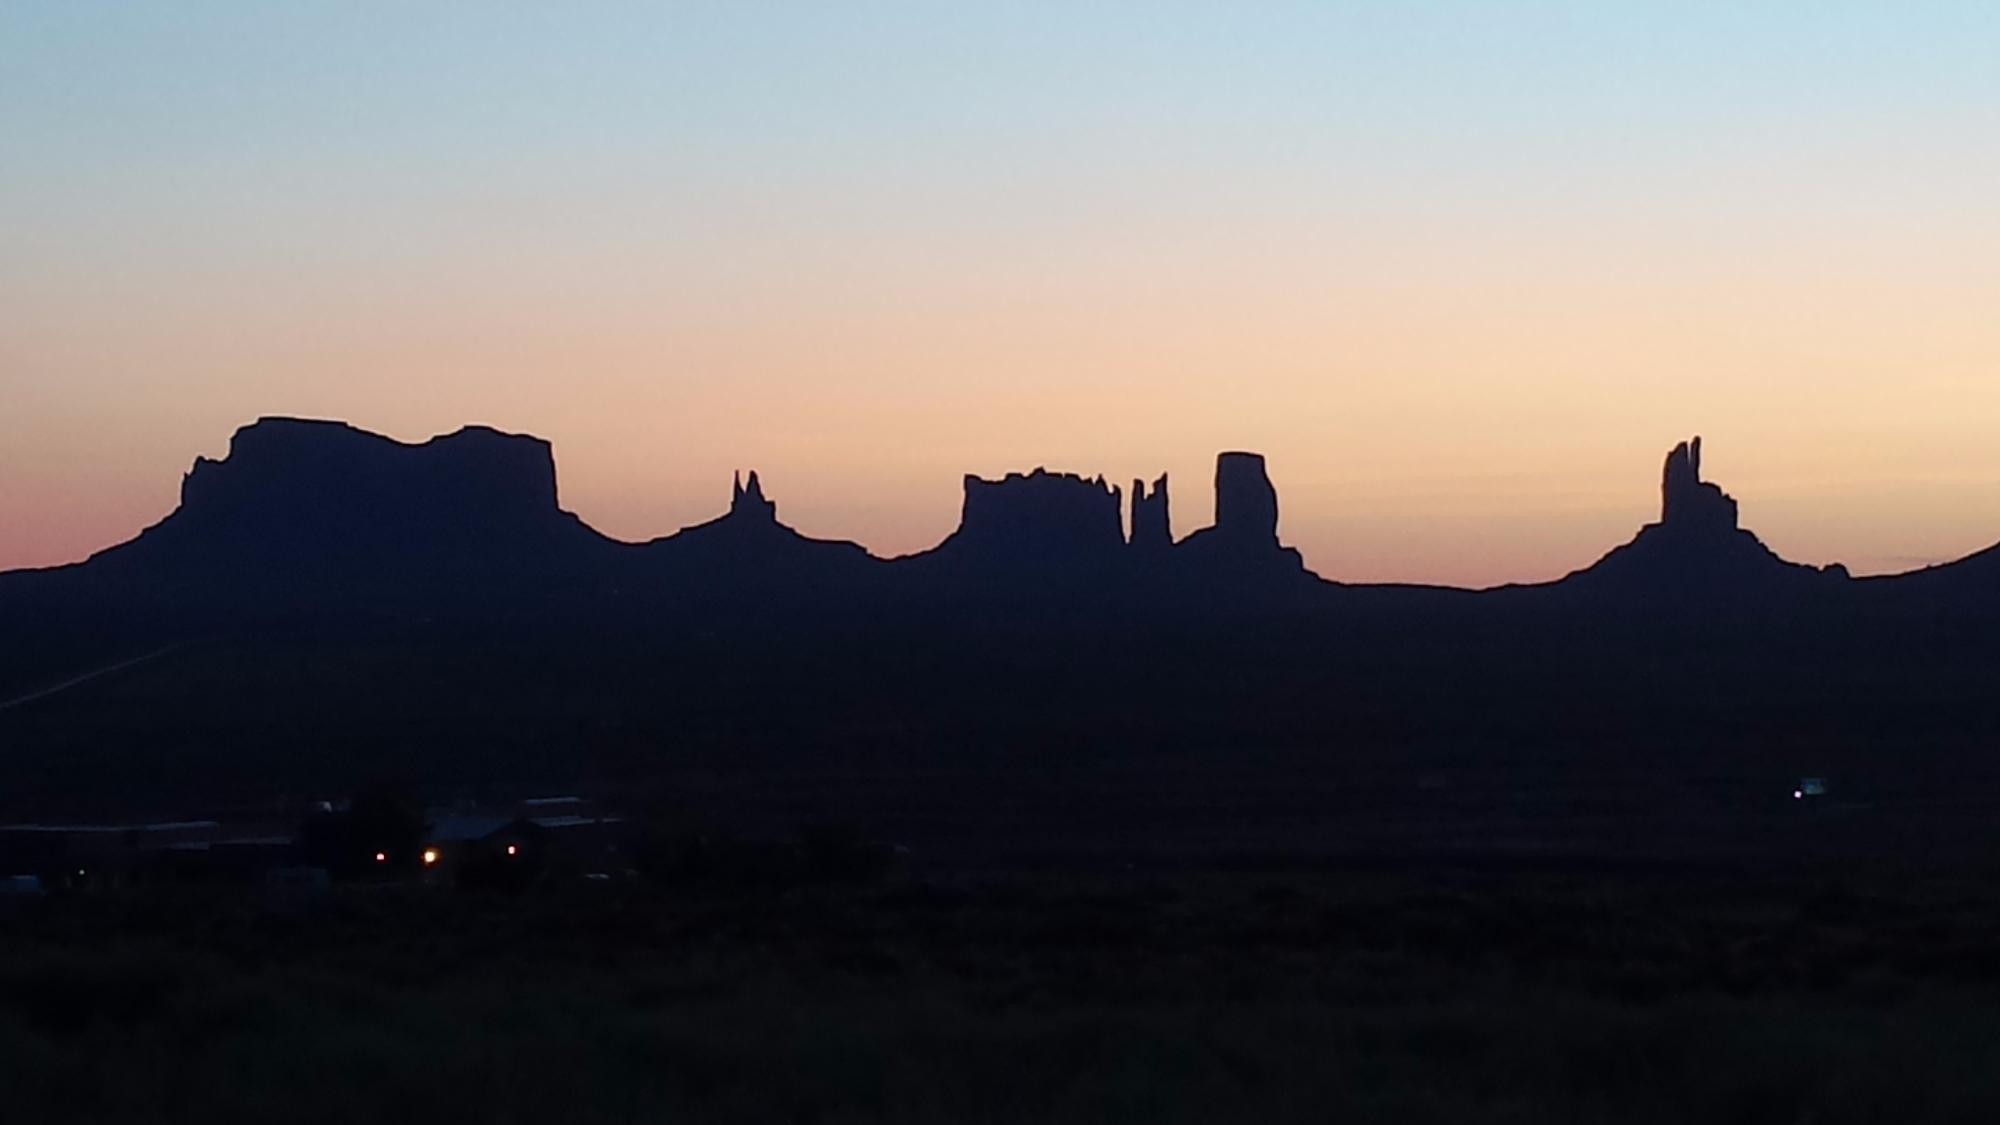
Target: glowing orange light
[{"x": 430, "y": 856}]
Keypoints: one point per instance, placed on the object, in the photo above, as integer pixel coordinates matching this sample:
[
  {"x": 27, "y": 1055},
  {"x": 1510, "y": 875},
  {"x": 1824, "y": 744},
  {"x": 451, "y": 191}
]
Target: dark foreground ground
[
  {"x": 1503, "y": 867},
  {"x": 1253, "y": 993}
]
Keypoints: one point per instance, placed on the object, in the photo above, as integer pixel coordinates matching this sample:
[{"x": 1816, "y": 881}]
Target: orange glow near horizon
[
  {"x": 1465, "y": 431},
  {"x": 1462, "y": 289}
]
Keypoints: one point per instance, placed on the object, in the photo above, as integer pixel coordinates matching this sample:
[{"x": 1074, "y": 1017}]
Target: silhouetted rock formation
[
  {"x": 314, "y": 518},
  {"x": 1240, "y": 556},
  {"x": 1152, "y": 523},
  {"x": 328, "y": 600},
  {"x": 746, "y": 553},
  {"x": 748, "y": 501},
  {"x": 1687, "y": 501},
  {"x": 305, "y": 509},
  {"x": 1246, "y": 503},
  {"x": 1036, "y": 522},
  {"x": 1697, "y": 546},
  {"x": 477, "y": 480}
]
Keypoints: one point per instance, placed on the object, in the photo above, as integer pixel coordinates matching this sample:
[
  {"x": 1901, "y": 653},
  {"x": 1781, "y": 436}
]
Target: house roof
[
  {"x": 456, "y": 829},
  {"x": 570, "y": 821}
]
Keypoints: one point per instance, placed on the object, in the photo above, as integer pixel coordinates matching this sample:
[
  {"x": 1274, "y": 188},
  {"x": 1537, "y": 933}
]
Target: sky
[{"x": 1462, "y": 271}]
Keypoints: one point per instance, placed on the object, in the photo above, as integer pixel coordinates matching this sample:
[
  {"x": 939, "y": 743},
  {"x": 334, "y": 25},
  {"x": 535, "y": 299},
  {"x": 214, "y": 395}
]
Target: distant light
[
  {"x": 430, "y": 856},
  {"x": 1798, "y": 794},
  {"x": 381, "y": 857},
  {"x": 513, "y": 849},
  {"x": 79, "y": 872}
]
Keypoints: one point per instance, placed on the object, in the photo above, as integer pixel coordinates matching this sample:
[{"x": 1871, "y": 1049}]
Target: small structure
[
  {"x": 1808, "y": 788},
  {"x": 485, "y": 851},
  {"x": 514, "y": 844}
]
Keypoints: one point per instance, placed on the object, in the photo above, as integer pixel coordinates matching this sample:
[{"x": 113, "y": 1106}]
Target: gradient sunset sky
[{"x": 1462, "y": 271}]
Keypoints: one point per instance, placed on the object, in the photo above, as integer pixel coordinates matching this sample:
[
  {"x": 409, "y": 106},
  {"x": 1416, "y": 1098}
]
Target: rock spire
[
  {"x": 1152, "y": 524},
  {"x": 747, "y": 500}
]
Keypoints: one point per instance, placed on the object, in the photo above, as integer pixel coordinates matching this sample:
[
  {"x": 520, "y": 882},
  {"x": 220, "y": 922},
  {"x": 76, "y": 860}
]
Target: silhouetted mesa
[
  {"x": 302, "y": 509},
  {"x": 1037, "y": 521},
  {"x": 279, "y": 469},
  {"x": 1152, "y": 524}
]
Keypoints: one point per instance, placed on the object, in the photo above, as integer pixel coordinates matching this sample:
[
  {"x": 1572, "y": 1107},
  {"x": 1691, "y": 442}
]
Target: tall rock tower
[
  {"x": 1246, "y": 504},
  {"x": 1688, "y": 503},
  {"x": 1152, "y": 524},
  {"x": 1240, "y": 556}
]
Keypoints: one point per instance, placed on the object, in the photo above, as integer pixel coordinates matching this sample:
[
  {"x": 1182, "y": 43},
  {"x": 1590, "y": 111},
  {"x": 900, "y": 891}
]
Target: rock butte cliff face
[
  {"x": 1246, "y": 503},
  {"x": 1038, "y": 519},
  {"x": 1152, "y": 523},
  {"x": 292, "y": 473},
  {"x": 299, "y": 501},
  {"x": 1242, "y": 547}
]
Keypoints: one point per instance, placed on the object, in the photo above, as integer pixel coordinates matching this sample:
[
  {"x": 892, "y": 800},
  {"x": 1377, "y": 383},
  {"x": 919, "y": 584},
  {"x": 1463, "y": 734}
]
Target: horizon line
[{"x": 1918, "y": 564}]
